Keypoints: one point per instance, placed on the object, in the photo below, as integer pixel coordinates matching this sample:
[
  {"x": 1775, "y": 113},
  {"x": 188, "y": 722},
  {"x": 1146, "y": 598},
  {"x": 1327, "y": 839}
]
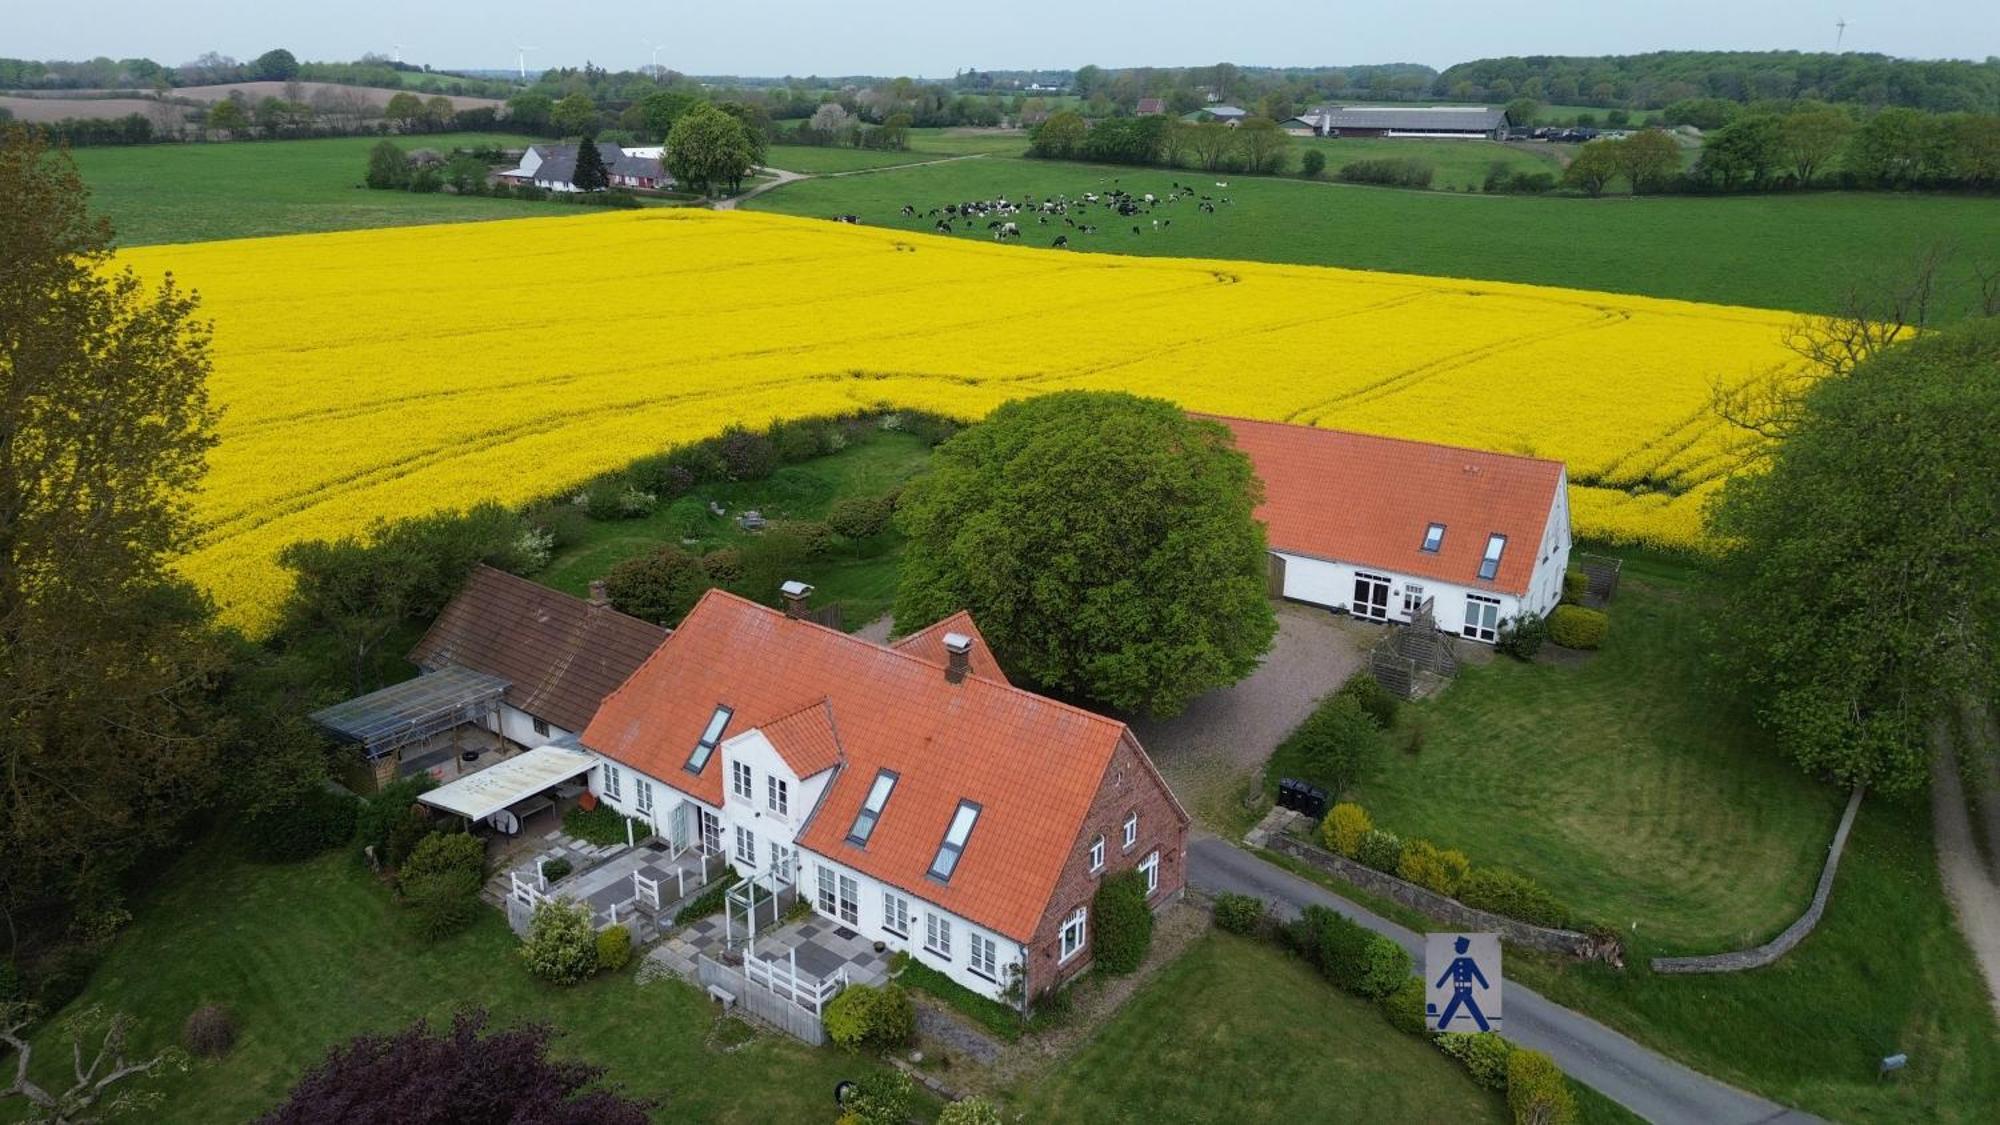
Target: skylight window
[
  {"x": 1433, "y": 538},
  {"x": 710, "y": 739},
  {"x": 871, "y": 809},
  {"x": 954, "y": 841},
  {"x": 1490, "y": 564}
]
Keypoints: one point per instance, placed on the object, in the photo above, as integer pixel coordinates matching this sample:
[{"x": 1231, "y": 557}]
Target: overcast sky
[{"x": 931, "y": 38}]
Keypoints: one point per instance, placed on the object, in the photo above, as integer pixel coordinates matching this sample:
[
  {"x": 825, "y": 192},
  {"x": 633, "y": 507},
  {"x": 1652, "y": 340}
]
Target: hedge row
[
  {"x": 1348, "y": 831},
  {"x": 1359, "y": 961}
]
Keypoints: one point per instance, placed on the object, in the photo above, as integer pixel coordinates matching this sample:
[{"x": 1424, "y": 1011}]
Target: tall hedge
[
  {"x": 1537, "y": 1092},
  {"x": 1122, "y": 929}
]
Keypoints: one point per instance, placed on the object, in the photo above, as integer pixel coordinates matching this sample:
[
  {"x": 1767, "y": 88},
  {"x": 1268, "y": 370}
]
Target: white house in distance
[
  {"x": 1377, "y": 526},
  {"x": 553, "y": 166},
  {"x": 908, "y": 791}
]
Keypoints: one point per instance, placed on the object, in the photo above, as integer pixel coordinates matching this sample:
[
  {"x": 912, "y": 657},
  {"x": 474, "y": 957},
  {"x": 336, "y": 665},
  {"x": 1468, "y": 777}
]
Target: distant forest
[{"x": 1664, "y": 77}]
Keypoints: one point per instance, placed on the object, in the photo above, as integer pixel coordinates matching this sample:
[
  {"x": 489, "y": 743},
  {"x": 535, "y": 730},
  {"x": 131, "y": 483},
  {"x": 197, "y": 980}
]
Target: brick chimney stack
[
  {"x": 796, "y": 595},
  {"x": 958, "y": 657}
]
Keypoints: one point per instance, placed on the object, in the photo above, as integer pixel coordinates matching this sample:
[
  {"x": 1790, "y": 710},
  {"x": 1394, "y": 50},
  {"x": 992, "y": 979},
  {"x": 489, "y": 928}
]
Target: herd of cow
[{"x": 1003, "y": 216}]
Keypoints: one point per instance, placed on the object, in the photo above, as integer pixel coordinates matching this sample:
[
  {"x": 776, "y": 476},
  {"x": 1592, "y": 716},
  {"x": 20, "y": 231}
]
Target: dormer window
[
  {"x": 871, "y": 809},
  {"x": 954, "y": 841},
  {"x": 1433, "y": 538},
  {"x": 710, "y": 739},
  {"x": 1489, "y": 565}
]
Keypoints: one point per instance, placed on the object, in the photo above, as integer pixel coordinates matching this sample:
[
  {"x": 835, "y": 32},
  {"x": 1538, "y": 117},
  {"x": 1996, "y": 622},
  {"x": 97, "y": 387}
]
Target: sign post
[{"x": 1462, "y": 982}]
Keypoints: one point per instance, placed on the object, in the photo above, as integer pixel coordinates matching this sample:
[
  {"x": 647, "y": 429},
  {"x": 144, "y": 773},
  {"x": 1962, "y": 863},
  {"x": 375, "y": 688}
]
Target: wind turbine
[
  {"x": 656, "y": 57},
  {"x": 522, "y": 59},
  {"x": 398, "y": 52},
  {"x": 1839, "y": 32}
]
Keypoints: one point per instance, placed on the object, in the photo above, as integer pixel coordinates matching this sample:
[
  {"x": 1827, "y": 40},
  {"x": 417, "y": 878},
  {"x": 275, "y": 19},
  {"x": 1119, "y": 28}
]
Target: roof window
[
  {"x": 871, "y": 809},
  {"x": 954, "y": 841},
  {"x": 1433, "y": 538},
  {"x": 710, "y": 739},
  {"x": 1490, "y": 564}
]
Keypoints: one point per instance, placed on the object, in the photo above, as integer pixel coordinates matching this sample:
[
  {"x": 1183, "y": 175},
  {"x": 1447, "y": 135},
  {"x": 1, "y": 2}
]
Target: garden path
[{"x": 1971, "y": 880}]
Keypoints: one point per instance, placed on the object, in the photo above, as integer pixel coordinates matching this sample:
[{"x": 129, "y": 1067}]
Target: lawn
[
  {"x": 821, "y": 159},
  {"x": 1886, "y": 972},
  {"x": 308, "y": 955},
  {"x": 198, "y": 192},
  {"x": 1789, "y": 251},
  {"x": 1619, "y": 781},
  {"x": 861, "y": 577},
  {"x": 1237, "y": 1031}
]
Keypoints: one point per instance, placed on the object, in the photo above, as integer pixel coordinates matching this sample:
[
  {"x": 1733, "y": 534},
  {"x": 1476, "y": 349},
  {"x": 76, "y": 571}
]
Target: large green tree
[
  {"x": 1105, "y": 543},
  {"x": 575, "y": 115},
  {"x": 105, "y": 427},
  {"x": 1860, "y": 588},
  {"x": 708, "y": 148}
]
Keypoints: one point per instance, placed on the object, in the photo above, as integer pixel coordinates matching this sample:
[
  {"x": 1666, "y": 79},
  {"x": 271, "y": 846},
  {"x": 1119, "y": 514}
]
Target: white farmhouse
[
  {"x": 1378, "y": 527},
  {"x": 908, "y": 792}
]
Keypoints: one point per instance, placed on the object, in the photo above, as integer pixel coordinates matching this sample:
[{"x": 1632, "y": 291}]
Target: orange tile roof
[
  {"x": 1032, "y": 764},
  {"x": 928, "y": 644},
  {"x": 806, "y": 739},
  {"x": 1367, "y": 500}
]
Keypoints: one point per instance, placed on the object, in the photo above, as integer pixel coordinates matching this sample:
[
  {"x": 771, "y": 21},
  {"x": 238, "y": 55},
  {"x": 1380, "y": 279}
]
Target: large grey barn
[{"x": 1466, "y": 121}]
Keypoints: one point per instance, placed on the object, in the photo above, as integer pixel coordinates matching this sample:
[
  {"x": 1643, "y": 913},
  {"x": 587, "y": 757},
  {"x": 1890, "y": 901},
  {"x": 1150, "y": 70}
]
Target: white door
[
  {"x": 1371, "y": 597},
  {"x": 711, "y": 832},
  {"x": 680, "y": 826}
]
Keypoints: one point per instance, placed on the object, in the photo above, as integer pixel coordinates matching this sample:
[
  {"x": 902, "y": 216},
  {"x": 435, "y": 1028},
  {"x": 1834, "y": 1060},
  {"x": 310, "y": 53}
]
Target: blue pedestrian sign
[{"x": 1462, "y": 982}]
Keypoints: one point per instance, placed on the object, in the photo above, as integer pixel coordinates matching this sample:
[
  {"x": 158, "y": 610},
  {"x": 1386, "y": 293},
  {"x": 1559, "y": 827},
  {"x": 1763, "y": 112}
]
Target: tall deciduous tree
[
  {"x": 105, "y": 427},
  {"x": 1104, "y": 542},
  {"x": 461, "y": 1075},
  {"x": 708, "y": 149},
  {"x": 101, "y": 1088},
  {"x": 1647, "y": 158},
  {"x": 1060, "y": 137},
  {"x": 1594, "y": 167},
  {"x": 1811, "y": 139},
  {"x": 405, "y": 109},
  {"x": 1860, "y": 593},
  {"x": 575, "y": 115}
]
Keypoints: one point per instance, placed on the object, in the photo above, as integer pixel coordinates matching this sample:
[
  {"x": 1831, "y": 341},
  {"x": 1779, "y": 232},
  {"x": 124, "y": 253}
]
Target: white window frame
[
  {"x": 937, "y": 934},
  {"x": 742, "y": 780},
  {"x": 1131, "y": 829},
  {"x": 1413, "y": 598},
  {"x": 1150, "y": 867},
  {"x": 1483, "y": 629},
  {"x": 1080, "y": 923},
  {"x": 645, "y": 788},
  {"x": 984, "y": 959},
  {"x": 611, "y": 782},
  {"x": 896, "y": 914},
  {"x": 778, "y": 795},
  {"x": 746, "y": 846},
  {"x": 781, "y": 858},
  {"x": 848, "y": 891},
  {"x": 826, "y": 897},
  {"x": 1097, "y": 855}
]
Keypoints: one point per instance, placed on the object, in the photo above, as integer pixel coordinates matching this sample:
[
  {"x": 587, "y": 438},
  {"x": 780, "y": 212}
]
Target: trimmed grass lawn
[
  {"x": 1885, "y": 972},
  {"x": 198, "y": 192},
  {"x": 861, "y": 577},
  {"x": 1790, "y": 251},
  {"x": 1237, "y": 1031},
  {"x": 820, "y": 159},
  {"x": 308, "y": 955},
  {"x": 1619, "y": 781}
]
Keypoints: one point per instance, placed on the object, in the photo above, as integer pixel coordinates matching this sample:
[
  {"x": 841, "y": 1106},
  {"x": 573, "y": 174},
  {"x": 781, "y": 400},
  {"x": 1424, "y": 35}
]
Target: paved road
[
  {"x": 1643, "y": 1081},
  {"x": 1969, "y": 882}
]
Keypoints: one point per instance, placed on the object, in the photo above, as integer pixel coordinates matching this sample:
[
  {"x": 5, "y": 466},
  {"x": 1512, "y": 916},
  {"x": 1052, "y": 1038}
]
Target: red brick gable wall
[{"x": 1129, "y": 784}]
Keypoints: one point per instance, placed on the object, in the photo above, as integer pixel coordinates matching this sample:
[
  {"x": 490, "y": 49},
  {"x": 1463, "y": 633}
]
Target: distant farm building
[
  {"x": 1226, "y": 114},
  {"x": 554, "y": 167},
  {"x": 1150, "y": 106},
  {"x": 1465, "y": 122}
]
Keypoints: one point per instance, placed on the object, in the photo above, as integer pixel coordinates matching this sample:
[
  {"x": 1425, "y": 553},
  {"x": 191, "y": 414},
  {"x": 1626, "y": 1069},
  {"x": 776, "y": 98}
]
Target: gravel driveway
[{"x": 1210, "y": 752}]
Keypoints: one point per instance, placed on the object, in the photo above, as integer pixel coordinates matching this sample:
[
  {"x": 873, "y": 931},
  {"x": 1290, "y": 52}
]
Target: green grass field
[
  {"x": 198, "y": 192},
  {"x": 1791, "y": 252},
  {"x": 821, "y": 159},
  {"x": 861, "y": 577},
  {"x": 1238, "y": 1031},
  {"x": 1618, "y": 781},
  {"x": 308, "y": 955}
]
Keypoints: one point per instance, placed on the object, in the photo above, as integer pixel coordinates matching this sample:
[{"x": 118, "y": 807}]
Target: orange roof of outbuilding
[
  {"x": 927, "y": 643},
  {"x": 1030, "y": 763},
  {"x": 1368, "y": 500}
]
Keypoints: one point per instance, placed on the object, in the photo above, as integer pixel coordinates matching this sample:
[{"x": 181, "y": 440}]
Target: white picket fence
[{"x": 783, "y": 979}]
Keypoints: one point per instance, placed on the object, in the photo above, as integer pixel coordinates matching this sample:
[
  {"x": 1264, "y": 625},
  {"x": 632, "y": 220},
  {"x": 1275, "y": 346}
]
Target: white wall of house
[
  {"x": 1332, "y": 584},
  {"x": 757, "y": 815},
  {"x": 523, "y": 729},
  {"x": 1552, "y": 560},
  {"x": 871, "y": 910}
]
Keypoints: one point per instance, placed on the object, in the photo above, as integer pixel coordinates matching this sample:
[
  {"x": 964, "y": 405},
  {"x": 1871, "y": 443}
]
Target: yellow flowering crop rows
[{"x": 393, "y": 372}]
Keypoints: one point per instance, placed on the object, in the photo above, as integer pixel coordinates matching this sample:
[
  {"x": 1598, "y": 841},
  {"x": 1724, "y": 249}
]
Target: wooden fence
[{"x": 759, "y": 1001}]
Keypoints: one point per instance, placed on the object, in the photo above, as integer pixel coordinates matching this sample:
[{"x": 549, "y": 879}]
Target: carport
[{"x": 513, "y": 790}]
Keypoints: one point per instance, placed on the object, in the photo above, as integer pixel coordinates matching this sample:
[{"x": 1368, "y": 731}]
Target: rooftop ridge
[{"x": 1378, "y": 437}]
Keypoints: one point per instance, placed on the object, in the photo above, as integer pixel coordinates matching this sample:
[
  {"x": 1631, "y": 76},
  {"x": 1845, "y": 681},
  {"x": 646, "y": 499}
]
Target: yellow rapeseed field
[{"x": 378, "y": 374}]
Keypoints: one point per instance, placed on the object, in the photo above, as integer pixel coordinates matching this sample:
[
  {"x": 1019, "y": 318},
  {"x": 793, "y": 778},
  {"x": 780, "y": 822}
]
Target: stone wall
[
  {"x": 1760, "y": 956},
  {"x": 1450, "y": 911}
]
